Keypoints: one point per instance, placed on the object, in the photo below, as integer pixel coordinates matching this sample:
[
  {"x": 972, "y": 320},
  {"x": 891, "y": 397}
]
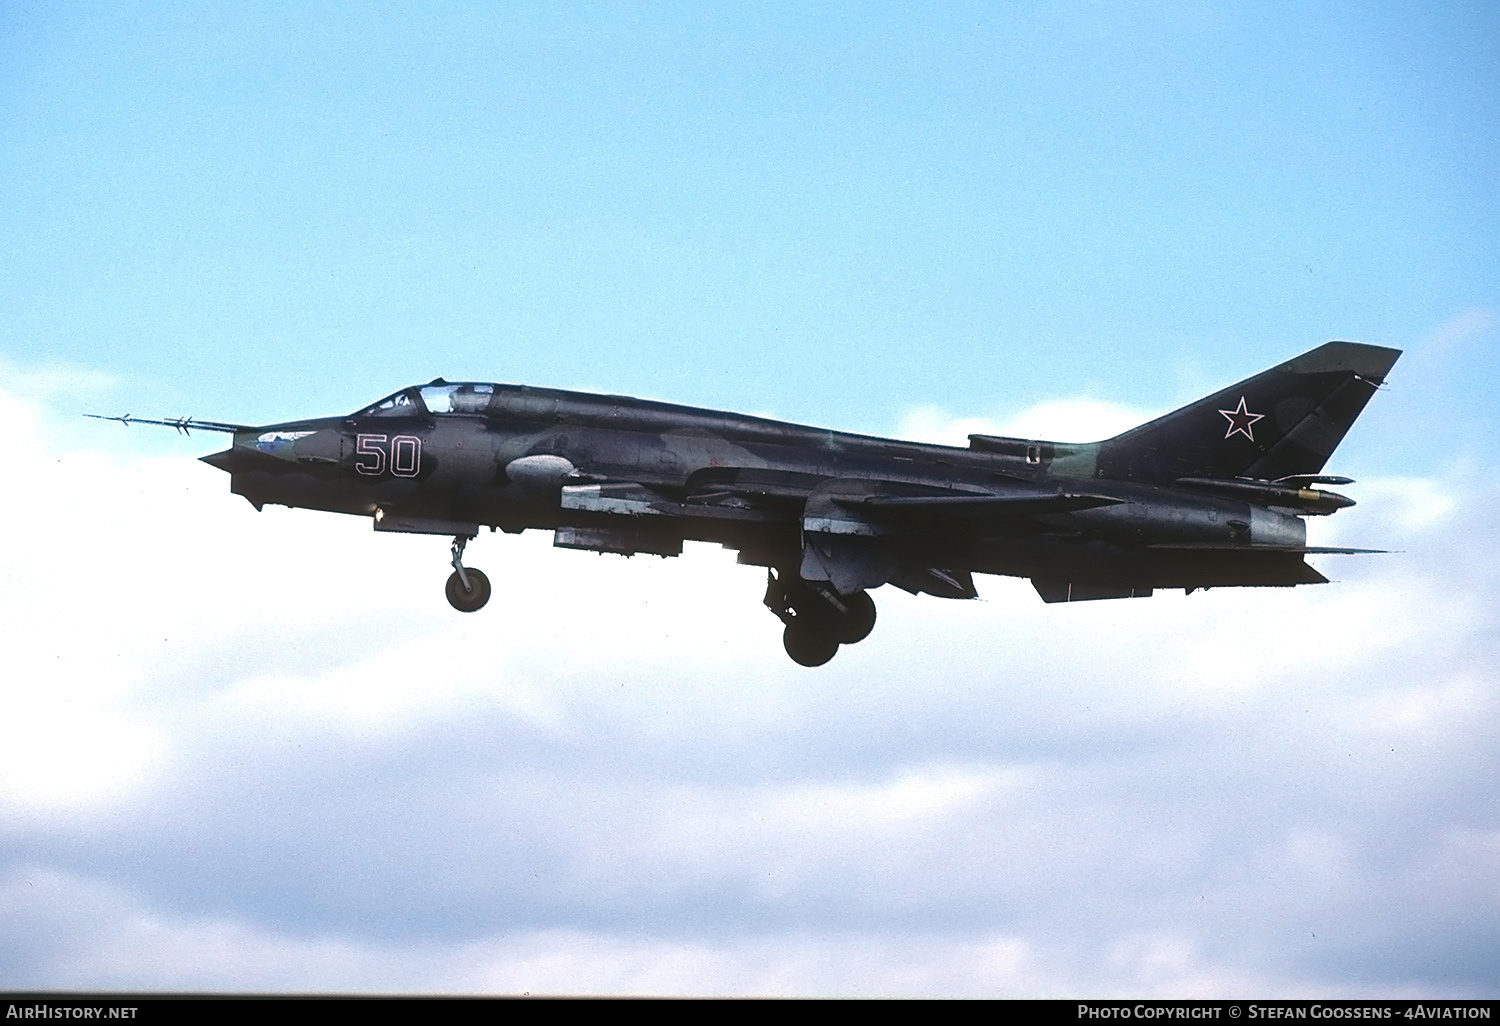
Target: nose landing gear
[
  {"x": 468, "y": 589},
  {"x": 818, "y": 620}
]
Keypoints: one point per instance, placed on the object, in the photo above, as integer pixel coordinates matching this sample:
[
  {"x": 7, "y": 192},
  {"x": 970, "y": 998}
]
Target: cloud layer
[{"x": 258, "y": 751}]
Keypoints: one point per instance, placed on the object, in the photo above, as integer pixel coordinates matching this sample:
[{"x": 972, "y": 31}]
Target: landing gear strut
[
  {"x": 468, "y": 589},
  {"x": 818, "y": 619}
]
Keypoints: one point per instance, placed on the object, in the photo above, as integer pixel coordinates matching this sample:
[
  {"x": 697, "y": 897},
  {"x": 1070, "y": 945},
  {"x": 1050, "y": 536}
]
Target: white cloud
[
  {"x": 1461, "y": 328},
  {"x": 1063, "y": 420},
  {"x": 1410, "y": 504},
  {"x": 99, "y": 937},
  {"x": 258, "y": 751}
]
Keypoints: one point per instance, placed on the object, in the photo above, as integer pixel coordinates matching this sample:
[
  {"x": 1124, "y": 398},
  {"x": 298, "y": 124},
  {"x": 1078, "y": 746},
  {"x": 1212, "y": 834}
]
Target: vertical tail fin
[{"x": 1287, "y": 420}]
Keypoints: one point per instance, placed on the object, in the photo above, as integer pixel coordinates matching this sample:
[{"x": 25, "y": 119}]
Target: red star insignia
[{"x": 1240, "y": 420}]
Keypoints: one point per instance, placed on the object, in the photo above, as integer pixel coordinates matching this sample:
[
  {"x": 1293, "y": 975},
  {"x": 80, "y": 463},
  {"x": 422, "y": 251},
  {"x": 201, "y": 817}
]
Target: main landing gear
[
  {"x": 468, "y": 589},
  {"x": 818, "y": 619}
]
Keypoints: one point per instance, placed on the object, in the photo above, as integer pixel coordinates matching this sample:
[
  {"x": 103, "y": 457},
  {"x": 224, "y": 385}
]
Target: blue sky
[
  {"x": 228, "y": 772},
  {"x": 740, "y": 206}
]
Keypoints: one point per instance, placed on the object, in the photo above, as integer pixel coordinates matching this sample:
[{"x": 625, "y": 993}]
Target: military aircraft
[{"x": 1211, "y": 495}]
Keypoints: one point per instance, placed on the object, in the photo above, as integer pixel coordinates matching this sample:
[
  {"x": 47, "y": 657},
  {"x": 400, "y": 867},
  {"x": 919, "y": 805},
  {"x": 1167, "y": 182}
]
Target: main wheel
[
  {"x": 858, "y": 622},
  {"x": 808, "y": 646},
  {"x": 472, "y": 598}
]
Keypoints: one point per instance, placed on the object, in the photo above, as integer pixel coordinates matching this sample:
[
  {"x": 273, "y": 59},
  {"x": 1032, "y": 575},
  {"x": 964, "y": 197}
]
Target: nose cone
[{"x": 223, "y": 460}]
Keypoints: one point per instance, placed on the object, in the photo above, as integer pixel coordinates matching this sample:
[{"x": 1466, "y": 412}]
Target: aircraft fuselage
[{"x": 1210, "y": 495}]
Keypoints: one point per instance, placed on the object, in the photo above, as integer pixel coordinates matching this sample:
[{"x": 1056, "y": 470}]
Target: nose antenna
[{"x": 182, "y": 424}]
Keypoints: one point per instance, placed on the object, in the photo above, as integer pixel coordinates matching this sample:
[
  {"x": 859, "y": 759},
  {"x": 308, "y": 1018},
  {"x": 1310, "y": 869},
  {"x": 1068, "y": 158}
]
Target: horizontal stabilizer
[{"x": 1301, "y": 550}]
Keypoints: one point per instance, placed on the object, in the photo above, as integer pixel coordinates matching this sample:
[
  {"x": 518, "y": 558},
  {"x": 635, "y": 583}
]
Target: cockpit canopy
[{"x": 441, "y": 398}]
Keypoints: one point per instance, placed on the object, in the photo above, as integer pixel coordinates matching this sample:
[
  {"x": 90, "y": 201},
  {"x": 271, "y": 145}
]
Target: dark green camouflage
[{"x": 1211, "y": 495}]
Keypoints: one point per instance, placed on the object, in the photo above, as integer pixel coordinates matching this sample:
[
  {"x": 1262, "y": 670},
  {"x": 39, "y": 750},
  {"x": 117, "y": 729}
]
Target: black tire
[
  {"x": 808, "y": 646},
  {"x": 858, "y": 622},
  {"x": 475, "y": 597}
]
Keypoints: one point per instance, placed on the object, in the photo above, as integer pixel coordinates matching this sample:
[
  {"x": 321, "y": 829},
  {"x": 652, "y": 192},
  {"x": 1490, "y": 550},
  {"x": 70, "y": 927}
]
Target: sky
[{"x": 258, "y": 751}]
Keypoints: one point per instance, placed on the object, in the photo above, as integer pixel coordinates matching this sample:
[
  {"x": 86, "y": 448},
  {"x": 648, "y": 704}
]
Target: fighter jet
[{"x": 1212, "y": 495}]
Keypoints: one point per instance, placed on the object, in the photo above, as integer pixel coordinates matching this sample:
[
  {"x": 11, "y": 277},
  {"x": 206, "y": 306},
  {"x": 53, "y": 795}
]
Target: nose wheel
[{"x": 467, "y": 589}]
